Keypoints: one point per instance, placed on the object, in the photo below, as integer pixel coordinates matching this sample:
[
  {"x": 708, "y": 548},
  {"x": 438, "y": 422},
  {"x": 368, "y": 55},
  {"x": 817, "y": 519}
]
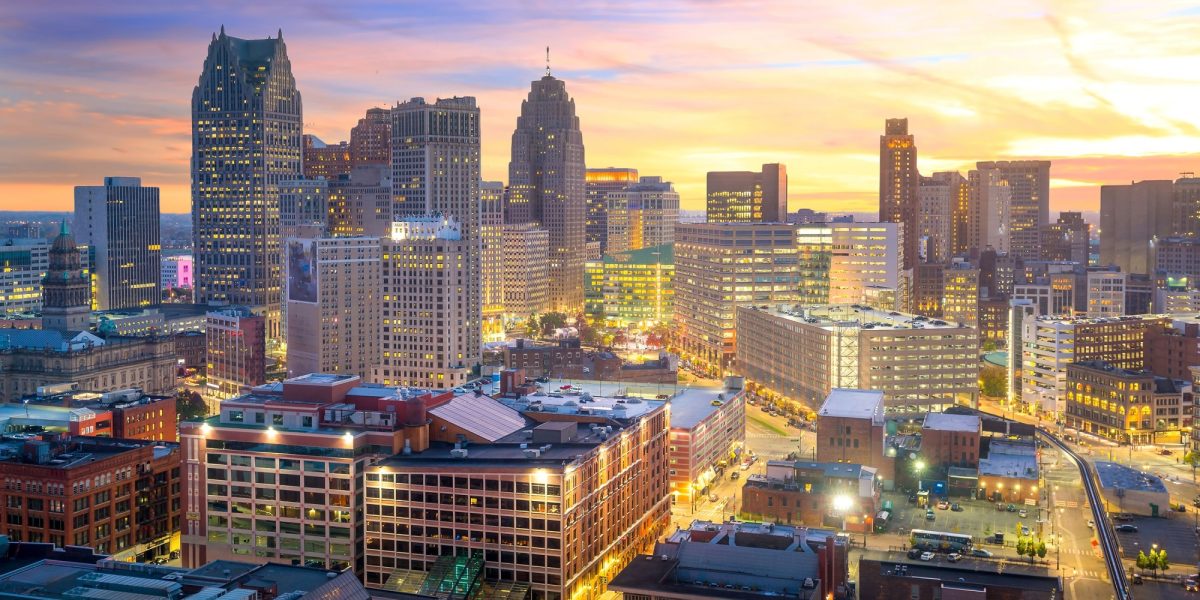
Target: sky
[{"x": 1106, "y": 90}]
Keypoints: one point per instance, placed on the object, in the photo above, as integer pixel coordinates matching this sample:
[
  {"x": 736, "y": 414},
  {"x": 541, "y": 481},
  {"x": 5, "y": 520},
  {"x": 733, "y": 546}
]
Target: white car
[
  {"x": 1091, "y": 524},
  {"x": 926, "y": 556}
]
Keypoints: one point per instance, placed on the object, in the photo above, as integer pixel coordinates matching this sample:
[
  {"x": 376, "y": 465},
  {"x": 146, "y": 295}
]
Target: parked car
[
  {"x": 713, "y": 497},
  {"x": 956, "y": 507},
  {"x": 943, "y": 505},
  {"x": 1024, "y": 531},
  {"x": 912, "y": 499},
  {"x": 914, "y": 553},
  {"x": 999, "y": 507},
  {"x": 981, "y": 553},
  {"x": 954, "y": 557},
  {"x": 1011, "y": 508},
  {"x": 1165, "y": 452},
  {"x": 926, "y": 556},
  {"x": 735, "y": 475},
  {"x": 1127, "y": 528},
  {"x": 929, "y": 516},
  {"x": 1022, "y": 513},
  {"x": 1091, "y": 524},
  {"x": 1190, "y": 584},
  {"x": 1137, "y": 578}
]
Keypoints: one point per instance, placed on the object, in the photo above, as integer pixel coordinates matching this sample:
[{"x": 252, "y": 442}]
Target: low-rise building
[
  {"x": 851, "y": 429},
  {"x": 892, "y": 576},
  {"x": 949, "y": 440},
  {"x": 1172, "y": 351},
  {"x": 840, "y": 495},
  {"x": 236, "y": 340},
  {"x": 1009, "y": 473},
  {"x": 1127, "y": 490},
  {"x": 742, "y": 561},
  {"x": 544, "y": 360},
  {"x": 802, "y": 353},
  {"x": 33, "y": 358},
  {"x": 1137, "y": 407},
  {"x": 708, "y": 433},
  {"x": 119, "y": 497}
]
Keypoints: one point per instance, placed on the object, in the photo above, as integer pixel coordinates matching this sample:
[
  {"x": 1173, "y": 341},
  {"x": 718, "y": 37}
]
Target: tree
[
  {"x": 1041, "y": 549},
  {"x": 1192, "y": 459},
  {"x": 532, "y": 327},
  {"x": 990, "y": 346},
  {"x": 993, "y": 381},
  {"x": 189, "y": 406},
  {"x": 1143, "y": 561},
  {"x": 1162, "y": 562},
  {"x": 1022, "y": 547},
  {"x": 552, "y": 321}
]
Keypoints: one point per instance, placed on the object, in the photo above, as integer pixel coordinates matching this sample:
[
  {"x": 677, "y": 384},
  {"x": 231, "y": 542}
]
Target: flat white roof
[
  {"x": 854, "y": 404},
  {"x": 945, "y": 422},
  {"x": 480, "y": 415}
]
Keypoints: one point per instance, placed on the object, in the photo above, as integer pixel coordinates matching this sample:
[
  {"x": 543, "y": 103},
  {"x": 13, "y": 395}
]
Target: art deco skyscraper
[
  {"x": 246, "y": 128},
  {"x": 899, "y": 183},
  {"x": 546, "y": 185}
]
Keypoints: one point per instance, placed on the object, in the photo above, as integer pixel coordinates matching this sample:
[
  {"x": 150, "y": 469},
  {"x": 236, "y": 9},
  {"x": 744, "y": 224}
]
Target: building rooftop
[
  {"x": 691, "y": 406},
  {"x": 1010, "y": 459},
  {"x": 966, "y": 575},
  {"x": 1113, "y": 475},
  {"x": 853, "y": 315},
  {"x": 480, "y": 415},
  {"x": 952, "y": 422},
  {"x": 586, "y": 399},
  {"x": 57, "y": 453},
  {"x": 853, "y": 404}
]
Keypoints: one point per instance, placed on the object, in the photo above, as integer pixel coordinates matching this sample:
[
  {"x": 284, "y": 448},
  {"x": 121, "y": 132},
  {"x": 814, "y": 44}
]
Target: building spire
[
  {"x": 547, "y": 61},
  {"x": 62, "y": 228}
]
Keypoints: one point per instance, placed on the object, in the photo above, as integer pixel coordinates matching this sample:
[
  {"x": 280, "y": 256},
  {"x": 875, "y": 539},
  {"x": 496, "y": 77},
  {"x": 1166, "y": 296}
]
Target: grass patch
[{"x": 769, "y": 425}]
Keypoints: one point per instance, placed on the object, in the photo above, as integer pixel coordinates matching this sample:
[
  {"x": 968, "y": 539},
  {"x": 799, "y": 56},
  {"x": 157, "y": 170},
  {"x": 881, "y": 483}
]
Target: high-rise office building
[
  {"x": 960, "y": 294},
  {"x": 333, "y": 305},
  {"x": 900, "y": 183},
  {"x": 748, "y": 196},
  {"x": 360, "y": 202},
  {"x": 491, "y": 256},
  {"x": 1186, "y": 207},
  {"x": 546, "y": 185},
  {"x": 631, "y": 288},
  {"x": 119, "y": 223},
  {"x": 323, "y": 160},
  {"x": 1068, "y": 239},
  {"x": 1029, "y": 204},
  {"x": 866, "y": 256},
  {"x": 303, "y": 213},
  {"x": 1106, "y": 293},
  {"x": 720, "y": 266},
  {"x": 246, "y": 128},
  {"x": 526, "y": 270},
  {"x": 435, "y": 173},
  {"x": 429, "y": 340},
  {"x": 643, "y": 215},
  {"x": 371, "y": 139},
  {"x": 990, "y": 201},
  {"x": 598, "y": 183},
  {"x": 938, "y": 215},
  {"x": 23, "y": 264},
  {"x": 1130, "y": 216},
  {"x": 236, "y": 344},
  {"x": 1178, "y": 259},
  {"x": 814, "y": 258},
  {"x": 66, "y": 292}
]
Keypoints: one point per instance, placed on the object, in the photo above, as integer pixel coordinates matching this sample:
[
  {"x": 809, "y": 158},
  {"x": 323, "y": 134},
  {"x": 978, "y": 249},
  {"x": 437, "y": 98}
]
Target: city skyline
[{"x": 101, "y": 91}]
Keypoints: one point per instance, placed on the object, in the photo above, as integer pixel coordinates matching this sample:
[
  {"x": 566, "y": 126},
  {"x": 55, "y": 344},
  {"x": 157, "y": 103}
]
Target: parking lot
[
  {"x": 1175, "y": 534},
  {"x": 979, "y": 518}
]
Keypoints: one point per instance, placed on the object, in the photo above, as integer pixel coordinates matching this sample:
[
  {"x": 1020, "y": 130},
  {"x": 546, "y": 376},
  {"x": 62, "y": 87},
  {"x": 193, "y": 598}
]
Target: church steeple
[{"x": 66, "y": 293}]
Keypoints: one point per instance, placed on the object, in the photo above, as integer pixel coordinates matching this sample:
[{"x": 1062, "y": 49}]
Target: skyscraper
[
  {"x": 428, "y": 340},
  {"x": 643, "y": 215},
  {"x": 546, "y": 185},
  {"x": 491, "y": 207},
  {"x": 1130, "y": 216},
  {"x": 435, "y": 173},
  {"x": 119, "y": 222},
  {"x": 747, "y": 196},
  {"x": 598, "y": 184},
  {"x": 360, "y": 202},
  {"x": 371, "y": 139},
  {"x": 936, "y": 214},
  {"x": 899, "y": 183},
  {"x": 1029, "y": 205},
  {"x": 246, "y": 128}
]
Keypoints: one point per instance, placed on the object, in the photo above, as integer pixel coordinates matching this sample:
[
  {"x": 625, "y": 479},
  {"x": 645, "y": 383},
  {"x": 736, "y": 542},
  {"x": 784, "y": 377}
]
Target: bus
[
  {"x": 881, "y": 521},
  {"x": 940, "y": 541}
]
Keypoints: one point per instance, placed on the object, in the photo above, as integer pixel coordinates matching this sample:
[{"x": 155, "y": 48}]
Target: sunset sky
[{"x": 1107, "y": 90}]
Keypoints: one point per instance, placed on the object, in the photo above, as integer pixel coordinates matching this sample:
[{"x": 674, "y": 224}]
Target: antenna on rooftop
[
  {"x": 1182, "y": 174},
  {"x": 547, "y": 61}
]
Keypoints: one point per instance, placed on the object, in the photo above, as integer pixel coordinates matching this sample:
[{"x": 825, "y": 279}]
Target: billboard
[{"x": 302, "y": 270}]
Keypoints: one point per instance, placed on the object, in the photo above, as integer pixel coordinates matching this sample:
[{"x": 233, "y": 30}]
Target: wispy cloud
[{"x": 675, "y": 88}]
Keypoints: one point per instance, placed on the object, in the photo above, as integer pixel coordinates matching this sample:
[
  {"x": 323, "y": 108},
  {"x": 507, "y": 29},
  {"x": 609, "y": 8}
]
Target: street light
[{"x": 842, "y": 504}]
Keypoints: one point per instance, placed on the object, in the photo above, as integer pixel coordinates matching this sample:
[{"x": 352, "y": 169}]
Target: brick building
[
  {"x": 850, "y": 428},
  {"x": 120, "y": 497},
  {"x": 891, "y": 576},
  {"x": 1172, "y": 351},
  {"x": 949, "y": 440},
  {"x": 812, "y": 494},
  {"x": 550, "y": 360},
  {"x": 1139, "y": 407}
]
